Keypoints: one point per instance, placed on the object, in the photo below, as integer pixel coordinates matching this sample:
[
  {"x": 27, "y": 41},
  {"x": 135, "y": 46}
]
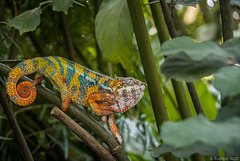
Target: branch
[
  {"x": 82, "y": 134},
  {"x": 227, "y": 29},
  {"x": 76, "y": 112},
  {"x": 226, "y": 16},
  {"x": 195, "y": 99},
  {"x": 16, "y": 129}
]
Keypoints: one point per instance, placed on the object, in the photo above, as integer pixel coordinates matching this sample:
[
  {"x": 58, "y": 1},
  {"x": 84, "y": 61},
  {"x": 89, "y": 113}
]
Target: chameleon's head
[{"x": 129, "y": 92}]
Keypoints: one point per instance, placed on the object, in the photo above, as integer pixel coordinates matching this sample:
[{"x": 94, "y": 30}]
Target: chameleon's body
[{"x": 103, "y": 94}]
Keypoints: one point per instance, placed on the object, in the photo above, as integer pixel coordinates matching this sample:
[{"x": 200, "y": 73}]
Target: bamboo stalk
[
  {"x": 149, "y": 66},
  {"x": 148, "y": 63},
  {"x": 227, "y": 30}
]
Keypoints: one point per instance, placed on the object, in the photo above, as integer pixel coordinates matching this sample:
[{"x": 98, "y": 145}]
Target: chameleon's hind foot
[{"x": 38, "y": 79}]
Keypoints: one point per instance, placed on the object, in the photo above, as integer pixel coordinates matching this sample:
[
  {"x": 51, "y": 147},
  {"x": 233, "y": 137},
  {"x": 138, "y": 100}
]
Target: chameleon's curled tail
[{"x": 24, "y": 93}]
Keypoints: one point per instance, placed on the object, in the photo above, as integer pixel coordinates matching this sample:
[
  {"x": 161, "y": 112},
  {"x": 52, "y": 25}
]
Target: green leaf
[
  {"x": 182, "y": 67},
  {"x": 62, "y": 5},
  {"x": 26, "y": 21},
  {"x": 227, "y": 81},
  {"x": 114, "y": 32},
  {"x": 223, "y": 135},
  {"x": 185, "y": 2},
  {"x": 196, "y": 51},
  {"x": 232, "y": 46},
  {"x": 231, "y": 110},
  {"x": 186, "y": 151}
]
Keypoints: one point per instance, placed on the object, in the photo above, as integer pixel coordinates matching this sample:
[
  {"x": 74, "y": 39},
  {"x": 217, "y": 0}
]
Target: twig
[
  {"x": 16, "y": 129},
  {"x": 196, "y": 101},
  {"x": 82, "y": 134}
]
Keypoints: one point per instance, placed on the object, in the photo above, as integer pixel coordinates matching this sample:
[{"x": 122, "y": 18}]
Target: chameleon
[{"x": 103, "y": 94}]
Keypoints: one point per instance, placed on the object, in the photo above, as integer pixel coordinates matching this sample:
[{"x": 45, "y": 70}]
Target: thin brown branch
[
  {"x": 82, "y": 134},
  {"x": 16, "y": 129}
]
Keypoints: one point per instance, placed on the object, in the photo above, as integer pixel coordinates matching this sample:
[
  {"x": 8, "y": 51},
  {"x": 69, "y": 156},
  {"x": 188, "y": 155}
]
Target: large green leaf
[
  {"x": 185, "y": 2},
  {"x": 186, "y": 151},
  {"x": 232, "y": 46},
  {"x": 196, "y": 51},
  {"x": 223, "y": 135},
  {"x": 231, "y": 110},
  {"x": 114, "y": 32},
  {"x": 227, "y": 81},
  {"x": 26, "y": 21},
  {"x": 62, "y": 5},
  {"x": 182, "y": 67}
]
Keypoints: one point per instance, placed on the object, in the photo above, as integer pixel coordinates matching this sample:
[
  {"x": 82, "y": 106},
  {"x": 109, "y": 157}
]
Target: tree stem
[
  {"x": 226, "y": 16},
  {"x": 227, "y": 30},
  {"x": 148, "y": 63}
]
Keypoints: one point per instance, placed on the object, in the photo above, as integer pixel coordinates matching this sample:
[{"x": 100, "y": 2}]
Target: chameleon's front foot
[{"x": 114, "y": 129}]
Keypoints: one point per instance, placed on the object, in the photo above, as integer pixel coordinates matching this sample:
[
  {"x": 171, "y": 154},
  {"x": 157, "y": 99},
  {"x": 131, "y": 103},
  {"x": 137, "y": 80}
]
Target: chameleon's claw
[
  {"x": 38, "y": 79},
  {"x": 104, "y": 118},
  {"x": 114, "y": 129}
]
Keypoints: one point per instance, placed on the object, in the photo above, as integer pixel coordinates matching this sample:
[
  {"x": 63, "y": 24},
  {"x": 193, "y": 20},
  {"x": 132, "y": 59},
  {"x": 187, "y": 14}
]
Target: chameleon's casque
[{"x": 105, "y": 95}]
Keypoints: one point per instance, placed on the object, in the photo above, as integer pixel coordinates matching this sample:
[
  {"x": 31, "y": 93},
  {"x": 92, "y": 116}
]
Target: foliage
[
  {"x": 27, "y": 21},
  {"x": 200, "y": 135},
  {"x": 198, "y": 60},
  {"x": 62, "y": 5},
  {"x": 113, "y": 26}
]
